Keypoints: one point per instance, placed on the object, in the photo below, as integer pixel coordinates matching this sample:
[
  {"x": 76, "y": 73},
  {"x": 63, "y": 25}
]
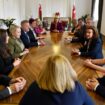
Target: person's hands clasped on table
[
  {"x": 92, "y": 84},
  {"x": 16, "y": 85},
  {"x": 75, "y": 52}
]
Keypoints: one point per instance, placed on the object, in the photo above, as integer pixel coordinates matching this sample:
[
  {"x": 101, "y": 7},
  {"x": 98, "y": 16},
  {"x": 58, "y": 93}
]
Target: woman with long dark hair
[
  {"x": 6, "y": 61},
  {"x": 92, "y": 46}
]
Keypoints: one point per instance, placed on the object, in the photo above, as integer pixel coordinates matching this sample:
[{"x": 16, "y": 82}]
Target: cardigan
[{"x": 37, "y": 96}]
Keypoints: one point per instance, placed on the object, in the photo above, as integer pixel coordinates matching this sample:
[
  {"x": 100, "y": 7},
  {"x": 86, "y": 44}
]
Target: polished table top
[{"x": 33, "y": 62}]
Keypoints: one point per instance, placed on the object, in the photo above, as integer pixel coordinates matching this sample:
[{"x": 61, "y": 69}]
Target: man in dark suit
[
  {"x": 32, "y": 36},
  {"x": 4, "y": 80},
  {"x": 24, "y": 35},
  {"x": 13, "y": 85},
  {"x": 97, "y": 85},
  {"x": 32, "y": 33}
]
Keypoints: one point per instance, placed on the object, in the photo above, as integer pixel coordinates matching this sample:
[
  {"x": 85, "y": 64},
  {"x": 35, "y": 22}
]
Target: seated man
[
  {"x": 32, "y": 35},
  {"x": 97, "y": 85},
  {"x": 13, "y": 85},
  {"x": 80, "y": 30},
  {"x": 24, "y": 35}
]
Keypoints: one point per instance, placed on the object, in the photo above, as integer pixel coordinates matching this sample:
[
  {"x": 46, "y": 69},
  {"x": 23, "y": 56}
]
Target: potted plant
[{"x": 7, "y": 22}]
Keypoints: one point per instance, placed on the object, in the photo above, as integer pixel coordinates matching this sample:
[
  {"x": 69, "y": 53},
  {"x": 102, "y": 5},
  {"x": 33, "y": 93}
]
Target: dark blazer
[
  {"x": 92, "y": 48},
  {"x": 37, "y": 96},
  {"x": 6, "y": 65},
  {"x": 78, "y": 39},
  {"x": 59, "y": 27},
  {"x": 32, "y": 37},
  {"x": 4, "y": 80},
  {"x": 80, "y": 32},
  {"x": 79, "y": 35},
  {"x": 26, "y": 40},
  {"x": 101, "y": 87}
]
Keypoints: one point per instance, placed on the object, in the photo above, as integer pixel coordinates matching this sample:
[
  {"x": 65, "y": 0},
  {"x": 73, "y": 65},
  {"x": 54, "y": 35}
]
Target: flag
[
  {"x": 40, "y": 12},
  {"x": 74, "y": 12}
]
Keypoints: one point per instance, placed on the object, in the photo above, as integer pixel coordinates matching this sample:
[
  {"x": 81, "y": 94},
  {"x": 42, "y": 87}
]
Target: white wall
[
  {"x": 49, "y": 7},
  {"x": 1, "y": 9},
  {"x": 83, "y": 7},
  {"x": 24, "y": 9},
  {"x": 12, "y": 9},
  {"x": 103, "y": 20}
]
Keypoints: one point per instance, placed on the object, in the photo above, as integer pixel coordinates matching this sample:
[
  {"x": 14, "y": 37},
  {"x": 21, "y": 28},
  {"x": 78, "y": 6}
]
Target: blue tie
[{"x": 27, "y": 37}]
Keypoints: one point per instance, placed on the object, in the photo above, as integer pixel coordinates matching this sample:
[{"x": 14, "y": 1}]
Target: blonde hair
[
  {"x": 58, "y": 75},
  {"x": 13, "y": 28}
]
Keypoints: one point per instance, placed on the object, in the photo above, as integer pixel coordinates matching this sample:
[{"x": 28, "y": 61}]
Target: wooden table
[{"x": 33, "y": 62}]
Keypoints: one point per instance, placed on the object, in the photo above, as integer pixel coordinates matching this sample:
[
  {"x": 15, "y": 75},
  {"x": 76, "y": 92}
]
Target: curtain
[
  {"x": 92, "y": 7},
  {"x": 100, "y": 9}
]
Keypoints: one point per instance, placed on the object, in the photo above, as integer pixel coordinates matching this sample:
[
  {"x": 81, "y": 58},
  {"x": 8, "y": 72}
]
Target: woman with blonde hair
[
  {"x": 57, "y": 85},
  {"x": 56, "y": 25},
  {"x": 15, "y": 44}
]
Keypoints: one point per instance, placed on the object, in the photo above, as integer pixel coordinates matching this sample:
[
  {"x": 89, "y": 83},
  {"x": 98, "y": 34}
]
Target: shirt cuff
[
  {"x": 39, "y": 43},
  {"x": 71, "y": 39},
  {"x": 79, "y": 53},
  {"x": 96, "y": 87},
  {"x": 10, "y": 91}
]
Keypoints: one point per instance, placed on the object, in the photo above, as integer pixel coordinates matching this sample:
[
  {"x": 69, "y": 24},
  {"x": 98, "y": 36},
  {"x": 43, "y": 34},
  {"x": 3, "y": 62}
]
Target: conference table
[{"x": 33, "y": 62}]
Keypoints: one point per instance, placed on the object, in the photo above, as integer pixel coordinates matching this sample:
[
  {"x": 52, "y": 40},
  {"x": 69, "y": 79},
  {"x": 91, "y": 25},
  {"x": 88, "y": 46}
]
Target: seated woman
[
  {"x": 56, "y": 85},
  {"x": 97, "y": 85},
  {"x": 56, "y": 25},
  {"x": 95, "y": 64},
  {"x": 15, "y": 44},
  {"x": 39, "y": 29},
  {"x": 6, "y": 61},
  {"x": 92, "y": 46},
  {"x": 12, "y": 85}
]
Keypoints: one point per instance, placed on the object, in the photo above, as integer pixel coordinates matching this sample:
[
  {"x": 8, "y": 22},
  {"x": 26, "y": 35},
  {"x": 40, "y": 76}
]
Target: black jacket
[
  {"x": 32, "y": 37},
  {"x": 101, "y": 87},
  {"x": 6, "y": 65},
  {"x": 4, "y": 80},
  {"x": 26, "y": 40}
]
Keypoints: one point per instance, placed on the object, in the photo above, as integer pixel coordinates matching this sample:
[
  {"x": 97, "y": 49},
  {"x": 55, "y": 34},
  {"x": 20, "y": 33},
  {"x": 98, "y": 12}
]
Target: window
[{"x": 95, "y": 11}]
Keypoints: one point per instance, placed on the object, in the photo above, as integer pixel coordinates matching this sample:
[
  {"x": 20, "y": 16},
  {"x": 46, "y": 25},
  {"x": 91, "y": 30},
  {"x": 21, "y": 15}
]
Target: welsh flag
[
  {"x": 40, "y": 12},
  {"x": 74, "y": 12}
]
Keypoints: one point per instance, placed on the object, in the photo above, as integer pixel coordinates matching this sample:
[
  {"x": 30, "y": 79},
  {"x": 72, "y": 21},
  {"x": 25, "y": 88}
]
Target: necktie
[{"x": 27, "y": 36}]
